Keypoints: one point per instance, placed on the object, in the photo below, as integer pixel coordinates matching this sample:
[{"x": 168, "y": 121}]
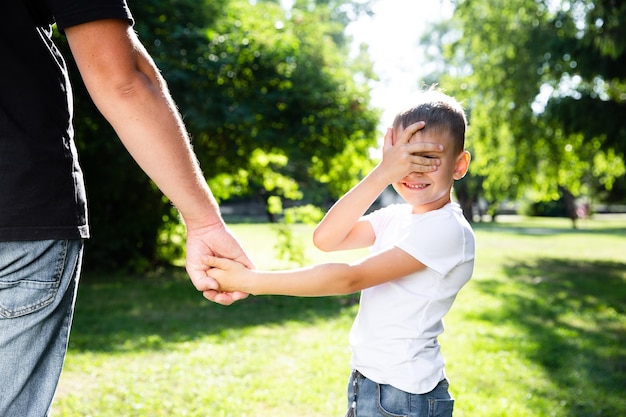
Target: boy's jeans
[
  {"x": 378, "y": 400},
  {"x": 38, "y": 283}
]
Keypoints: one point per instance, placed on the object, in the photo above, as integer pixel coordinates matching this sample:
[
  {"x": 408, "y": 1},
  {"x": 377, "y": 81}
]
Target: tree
[
  {"x": 539, "y": 79},
  {"x": 282, "y": 83}
]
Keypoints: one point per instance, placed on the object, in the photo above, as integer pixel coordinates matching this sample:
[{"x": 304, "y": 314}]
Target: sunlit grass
[{"x": 539, "y": 331}]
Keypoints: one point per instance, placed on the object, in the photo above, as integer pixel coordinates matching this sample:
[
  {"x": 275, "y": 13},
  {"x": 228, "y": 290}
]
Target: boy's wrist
[{"x": 379, "y": 178}]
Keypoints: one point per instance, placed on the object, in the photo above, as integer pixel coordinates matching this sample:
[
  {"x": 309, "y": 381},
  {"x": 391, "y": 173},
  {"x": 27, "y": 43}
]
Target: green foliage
[
  {"x": 262, "y": 179},
  {"x": 544, "y": 84},
  {"x": 279, "y": 83},
  {"x": 307, "y": 214},
  {"x": 288, "y": 246}
]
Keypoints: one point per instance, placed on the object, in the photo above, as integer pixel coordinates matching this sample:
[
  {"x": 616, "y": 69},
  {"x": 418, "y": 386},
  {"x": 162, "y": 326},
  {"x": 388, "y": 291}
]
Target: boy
[{"x": 422, "y": 254}]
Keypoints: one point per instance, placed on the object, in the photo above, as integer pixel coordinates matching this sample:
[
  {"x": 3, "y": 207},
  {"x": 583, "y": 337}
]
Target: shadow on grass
[
  {"x": 125, "y": 314},
  {"x": 571, "y": 315}
]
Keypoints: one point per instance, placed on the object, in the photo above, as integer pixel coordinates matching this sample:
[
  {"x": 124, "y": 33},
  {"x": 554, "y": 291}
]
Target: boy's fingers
[
  {"x": 410, "y": 131},
  {"x": 215, "y": 262},
  {"x": 423, "y": 164},
  {"x": 424, "y": 147},
  {"x": 222, "y": 263}
]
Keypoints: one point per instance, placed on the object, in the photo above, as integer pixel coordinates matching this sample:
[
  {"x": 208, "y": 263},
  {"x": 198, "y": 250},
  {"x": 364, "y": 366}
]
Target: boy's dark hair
[{"x": 440, "y": 112}]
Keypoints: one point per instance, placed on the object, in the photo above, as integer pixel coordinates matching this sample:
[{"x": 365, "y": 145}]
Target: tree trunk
[{"x": 570, "y": 205}]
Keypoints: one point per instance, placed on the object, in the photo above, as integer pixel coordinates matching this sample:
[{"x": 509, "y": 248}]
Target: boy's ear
[{"x": 462, "y": 165}]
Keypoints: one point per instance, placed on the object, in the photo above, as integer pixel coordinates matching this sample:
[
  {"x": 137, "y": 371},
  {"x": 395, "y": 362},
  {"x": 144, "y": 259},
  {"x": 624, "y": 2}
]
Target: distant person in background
[
  {"x": 422, "y": 255},
  {"x": 43, "y": 208}
]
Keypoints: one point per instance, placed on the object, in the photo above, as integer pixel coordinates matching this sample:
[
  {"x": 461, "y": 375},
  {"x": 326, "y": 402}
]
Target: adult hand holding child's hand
[
  {"x": 231, "y": 276},
  {"x": 213, "y": 241}
]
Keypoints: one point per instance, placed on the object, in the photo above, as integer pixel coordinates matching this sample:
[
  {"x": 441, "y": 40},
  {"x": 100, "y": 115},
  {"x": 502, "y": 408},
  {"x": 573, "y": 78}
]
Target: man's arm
[{"x": 129, "y": 91}]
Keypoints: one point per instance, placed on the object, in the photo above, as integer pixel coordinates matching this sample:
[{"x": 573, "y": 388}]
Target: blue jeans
[
  {"x": 378, "y": 400},
  {"x": 38, "y": 283}
]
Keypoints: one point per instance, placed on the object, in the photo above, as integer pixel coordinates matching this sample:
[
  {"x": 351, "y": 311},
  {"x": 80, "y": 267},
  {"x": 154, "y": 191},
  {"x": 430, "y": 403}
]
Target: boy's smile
[{"x": 415, "y": 186}]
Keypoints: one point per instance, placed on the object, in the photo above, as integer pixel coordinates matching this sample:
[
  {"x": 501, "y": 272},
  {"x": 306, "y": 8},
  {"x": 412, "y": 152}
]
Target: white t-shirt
[{"x": 394, "y": 336}]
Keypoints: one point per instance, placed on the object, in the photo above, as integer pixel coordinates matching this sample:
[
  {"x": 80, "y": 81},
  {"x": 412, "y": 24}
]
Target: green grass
[{"x": 539, "y": 331}]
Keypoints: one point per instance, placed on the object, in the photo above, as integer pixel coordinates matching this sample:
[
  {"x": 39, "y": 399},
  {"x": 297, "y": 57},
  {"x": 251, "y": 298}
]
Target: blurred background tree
[
  {"x": 544, "y": 83},
  {"x": 271, "y": 101}
]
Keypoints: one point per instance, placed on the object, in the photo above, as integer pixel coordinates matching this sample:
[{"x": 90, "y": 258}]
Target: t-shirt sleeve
[
  {"x": 438, "y": 241},
  {"x": 75, "y": 12},
  {"x": 379, "y": 219}
]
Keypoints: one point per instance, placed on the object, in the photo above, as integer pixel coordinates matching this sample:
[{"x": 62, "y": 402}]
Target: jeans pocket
[
  {"x": 393, "y": 402},
  {"x": 30, "y": 275},
  {"x": 440, "y": 407}
]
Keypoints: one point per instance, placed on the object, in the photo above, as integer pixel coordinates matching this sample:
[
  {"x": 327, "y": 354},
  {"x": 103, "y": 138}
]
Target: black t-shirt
[{"x": 42, "y": 194}]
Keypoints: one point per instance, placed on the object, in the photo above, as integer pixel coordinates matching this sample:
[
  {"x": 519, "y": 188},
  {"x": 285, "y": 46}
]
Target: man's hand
[{"x": 213, "y": 240}]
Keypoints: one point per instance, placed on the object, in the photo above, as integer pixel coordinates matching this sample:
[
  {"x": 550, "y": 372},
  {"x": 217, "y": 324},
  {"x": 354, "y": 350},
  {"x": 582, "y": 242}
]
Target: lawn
[{"x": 539, "y": 331}]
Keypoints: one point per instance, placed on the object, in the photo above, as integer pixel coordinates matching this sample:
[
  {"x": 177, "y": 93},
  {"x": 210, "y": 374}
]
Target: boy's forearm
[
  {"x": 346, "y": 212},
  {"x": 319, "y": 280}
]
